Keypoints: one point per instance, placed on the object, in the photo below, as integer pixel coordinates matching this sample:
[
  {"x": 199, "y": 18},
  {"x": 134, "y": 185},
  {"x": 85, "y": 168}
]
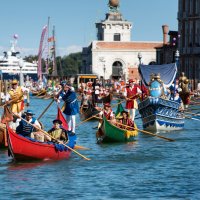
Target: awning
[{"x": 167, "y": 73}]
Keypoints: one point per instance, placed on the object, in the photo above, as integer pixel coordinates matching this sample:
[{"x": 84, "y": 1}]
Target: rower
[
  {"x": 25, "y": 129},
  {"x": 131, "y": 94},
  {"x": 15, "y": 98},
  {"x": 107, "y": 112},
  {"x": 71, "y": 107}
]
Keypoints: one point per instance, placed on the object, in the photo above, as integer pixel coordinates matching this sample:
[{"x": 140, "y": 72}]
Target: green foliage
[
  {"x": 70, "y": 64},
  {"x": 67, "y": 65}
]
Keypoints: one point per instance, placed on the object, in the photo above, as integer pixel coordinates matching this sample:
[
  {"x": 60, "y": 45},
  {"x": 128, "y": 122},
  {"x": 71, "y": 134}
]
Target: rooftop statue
[{"x": 114, "y": 5}]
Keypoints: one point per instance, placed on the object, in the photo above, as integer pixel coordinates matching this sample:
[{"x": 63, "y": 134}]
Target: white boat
[{"x": 11, "y": 62}]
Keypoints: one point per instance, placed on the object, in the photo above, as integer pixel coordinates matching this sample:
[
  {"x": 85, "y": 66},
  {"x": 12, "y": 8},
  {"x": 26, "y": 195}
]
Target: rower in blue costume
[{"x": 71, "y": 107}]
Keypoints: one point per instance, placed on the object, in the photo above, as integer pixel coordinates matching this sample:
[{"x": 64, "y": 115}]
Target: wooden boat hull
[
  {"x": 89, "y": 112},
  {"x": 106, "y": 99},
  {"x": 160, "y": 115},
  {"x": 112, "y": 133},
  {"x": 22, "y": 148}
]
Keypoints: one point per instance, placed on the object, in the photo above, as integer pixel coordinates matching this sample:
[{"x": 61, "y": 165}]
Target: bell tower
[{"x": 114, "y": 27}]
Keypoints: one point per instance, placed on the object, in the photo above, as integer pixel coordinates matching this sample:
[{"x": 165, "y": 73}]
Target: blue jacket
[
  {"x": 24, "y": 128},
  {"x": 71, "y": 103}
]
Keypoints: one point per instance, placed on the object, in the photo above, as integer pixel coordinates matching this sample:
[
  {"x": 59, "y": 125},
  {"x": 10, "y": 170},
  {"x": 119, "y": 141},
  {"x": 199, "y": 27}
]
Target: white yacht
[{"x": 11, "y": 62}]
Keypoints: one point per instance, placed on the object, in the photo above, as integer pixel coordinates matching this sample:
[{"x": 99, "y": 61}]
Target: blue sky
[{"x": 74, "y": 21}]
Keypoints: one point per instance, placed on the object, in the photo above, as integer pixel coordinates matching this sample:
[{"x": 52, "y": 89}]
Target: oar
[
  {"x": 147, "y": 132},
  {"x": 87, "y": 119},
  {"x": 15, "y": 99},
  {"x": 188, "y": 117},
  {"x": 195, "y": 114},
  {"x": 98, "y": 113},
  {"x": 52, "y": 137},
  {"x": 45, "y": 109}
]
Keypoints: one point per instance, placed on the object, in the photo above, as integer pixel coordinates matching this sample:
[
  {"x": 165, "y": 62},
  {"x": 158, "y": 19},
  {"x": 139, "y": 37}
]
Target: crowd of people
[{"x": 91, "y": 92}]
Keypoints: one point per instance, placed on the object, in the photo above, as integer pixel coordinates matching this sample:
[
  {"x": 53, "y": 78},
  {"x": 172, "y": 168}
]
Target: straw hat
[{"x": 14, "y": 81}]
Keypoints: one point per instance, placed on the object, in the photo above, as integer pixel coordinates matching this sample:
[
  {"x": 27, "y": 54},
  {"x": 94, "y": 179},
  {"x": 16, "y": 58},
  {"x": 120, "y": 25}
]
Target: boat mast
[
  {"x": 55, "y": 72},
  {"x": 47, "y": 60}
]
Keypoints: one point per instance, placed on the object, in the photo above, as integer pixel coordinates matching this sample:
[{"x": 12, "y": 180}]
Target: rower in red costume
[
  {"x": 131, "y": 94},
  {"x": 107, "y": 112}
]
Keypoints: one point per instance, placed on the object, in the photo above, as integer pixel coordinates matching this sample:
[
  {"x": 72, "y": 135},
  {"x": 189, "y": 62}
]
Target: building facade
[
  {"x": 113, "y": 54},
  {"x": 189, "y": 42}
]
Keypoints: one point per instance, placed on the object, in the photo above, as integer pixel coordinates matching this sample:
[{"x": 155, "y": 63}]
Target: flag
[
  {"x": 51, "y": 39},
  {"x": 119, "y": 110},
  {"x": 62, "y": 119}
]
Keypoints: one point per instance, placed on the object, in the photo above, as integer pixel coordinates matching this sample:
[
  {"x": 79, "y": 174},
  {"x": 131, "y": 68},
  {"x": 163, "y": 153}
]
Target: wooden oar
[
  {"x": 52, "y": 137},
  {"x": 195, "y": 114},
  {"x": 87, "y": 119},
  {"x": 45, "y": 109},
  {"x": 15, "y": 99},
  {"x": 189, "y": 117},
  {"x": 147, "y": 132}
]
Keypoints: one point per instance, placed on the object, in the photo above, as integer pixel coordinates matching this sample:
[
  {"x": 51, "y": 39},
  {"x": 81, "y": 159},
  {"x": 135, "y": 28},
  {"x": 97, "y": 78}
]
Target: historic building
[
  {"x": 189, "y": 42},
  {"x": 113, "y": 54}
]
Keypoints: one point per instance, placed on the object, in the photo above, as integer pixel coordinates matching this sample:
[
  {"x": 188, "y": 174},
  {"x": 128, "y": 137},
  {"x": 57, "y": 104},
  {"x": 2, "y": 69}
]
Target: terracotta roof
[{"x": 128, "y": 45}]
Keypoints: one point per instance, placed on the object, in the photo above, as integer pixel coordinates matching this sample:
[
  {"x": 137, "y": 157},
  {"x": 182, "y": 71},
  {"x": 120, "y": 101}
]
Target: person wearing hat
[
  {"x": 15, "y": 98},
  {"x": 107, "y": 112},
  {"x": 57, "y": 132},
  {"x": 27, "y": 129},
  {"x": 84, "y": 100},
  {"x": 124, "y": 119},
  {"x": 131, "y": 94},
  {"x": 70, "y": 108},
  {"x": 95, "y": 94}
]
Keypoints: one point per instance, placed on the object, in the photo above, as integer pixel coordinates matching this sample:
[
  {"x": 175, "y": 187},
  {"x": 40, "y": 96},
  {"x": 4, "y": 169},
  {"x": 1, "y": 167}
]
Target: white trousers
[
  {"x": 132, "y": 113},
  {"x": 71, "y": 120}
]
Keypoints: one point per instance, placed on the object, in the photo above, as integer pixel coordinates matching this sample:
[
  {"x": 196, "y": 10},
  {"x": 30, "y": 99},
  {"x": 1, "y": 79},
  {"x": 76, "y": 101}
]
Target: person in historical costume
[
  {"x": 95, "y": 94},
  {"x": 84, "y": 100},
  {"x": 177, "y": 99},
  {"x": 71, "y": 107},
  {"x": 131, "y": 94},
  {"x": 107, "y": 112},
  {"x": 57, "y": 132},
  {"x": 125, "y": 120},
  {"x": 185, "y": 92},
  {"x": 15, "y": 98},
  {"x": 27, "y": 130}
]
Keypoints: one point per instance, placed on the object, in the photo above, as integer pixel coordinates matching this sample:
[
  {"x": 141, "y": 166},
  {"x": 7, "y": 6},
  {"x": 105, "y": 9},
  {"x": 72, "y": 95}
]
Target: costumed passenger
[
  {"x": 84, "y": 100},
  {"x": 177, "y": 99},
  {"x": 125, "y": 120},
  {"x": 71, "y": 107},
  {"x": 131, "y": 94},
  {"x": 16, "y": 100},
  {"x": 185, "y": 92},
  {"x": 30, "y": 130},
  {"x": 57, "y": 132},
  {"x": 107, "y": 112}
]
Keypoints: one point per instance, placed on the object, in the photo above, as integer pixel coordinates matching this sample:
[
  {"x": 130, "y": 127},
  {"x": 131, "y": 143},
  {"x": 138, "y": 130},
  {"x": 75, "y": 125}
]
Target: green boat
[{"x": 109, "y": 132}]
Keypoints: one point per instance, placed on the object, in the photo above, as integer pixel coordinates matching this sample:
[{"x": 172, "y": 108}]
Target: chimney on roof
[{"x": 165, "y": 29}]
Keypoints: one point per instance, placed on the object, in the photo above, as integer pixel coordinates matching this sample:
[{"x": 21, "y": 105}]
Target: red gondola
[{"x": 22, "y": 148}]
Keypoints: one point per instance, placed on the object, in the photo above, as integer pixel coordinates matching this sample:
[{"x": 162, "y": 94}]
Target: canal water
[{"x": 149, "y": 168}]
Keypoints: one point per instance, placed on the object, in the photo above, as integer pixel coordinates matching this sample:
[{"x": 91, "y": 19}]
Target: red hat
[{"x": 107, "y": 105}]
